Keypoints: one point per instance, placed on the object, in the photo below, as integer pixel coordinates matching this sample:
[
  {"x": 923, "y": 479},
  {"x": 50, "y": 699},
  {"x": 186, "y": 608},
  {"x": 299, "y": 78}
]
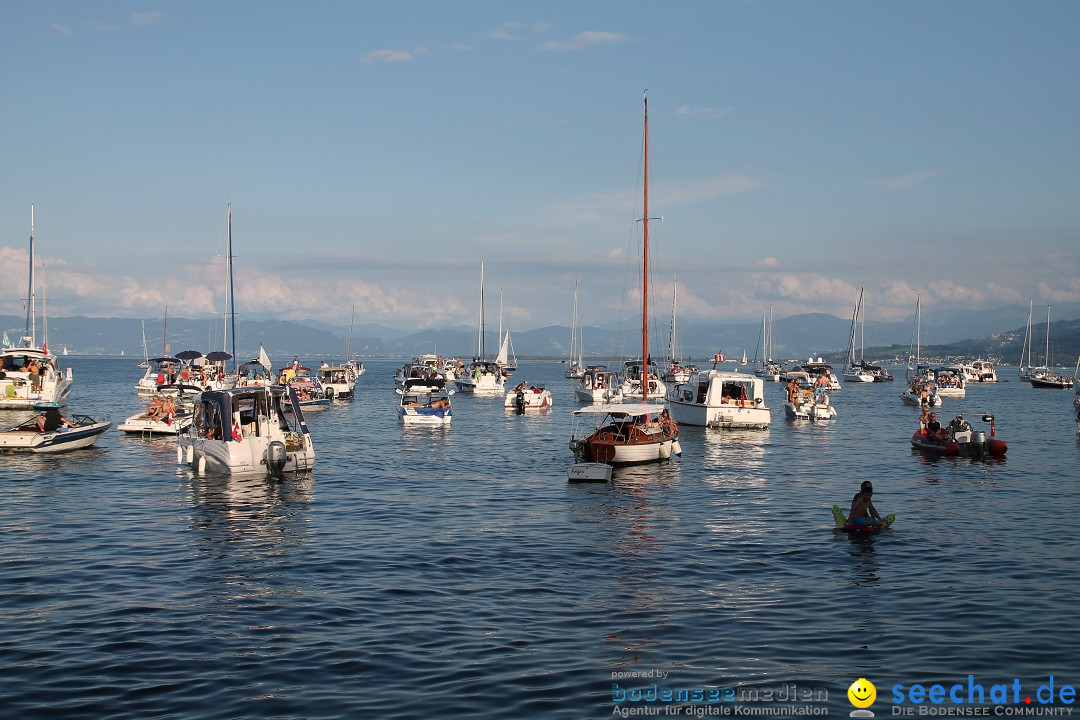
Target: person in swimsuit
[{"x": 863, "y": 511}]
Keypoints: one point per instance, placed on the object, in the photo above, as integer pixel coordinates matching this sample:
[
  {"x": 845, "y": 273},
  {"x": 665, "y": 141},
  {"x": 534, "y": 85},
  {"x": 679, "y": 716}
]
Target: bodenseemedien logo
[{"x": 862, "y": 694}]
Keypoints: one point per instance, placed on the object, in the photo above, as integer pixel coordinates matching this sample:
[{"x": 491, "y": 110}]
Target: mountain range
[{"x": 995, "y": 334}]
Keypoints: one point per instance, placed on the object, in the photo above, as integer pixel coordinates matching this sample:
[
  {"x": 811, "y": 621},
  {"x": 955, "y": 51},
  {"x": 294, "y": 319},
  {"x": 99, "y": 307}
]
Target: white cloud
[
  {"x": 386, "y": 56},
  {"x": 906, "y": 181},
  {"x": 769, "y": 262},
  {"x": 63, "y": 29},
  {"x": 583, "y": 40},
  {"x": 704, "y": 113},
  {"x": 146, "y": 19}
]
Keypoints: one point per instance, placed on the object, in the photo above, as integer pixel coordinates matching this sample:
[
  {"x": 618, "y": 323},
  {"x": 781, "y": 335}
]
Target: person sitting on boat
[
  {"x": 933, "y": 427},
  {"x": 53, "y": 420},
  {"x": 520, "y": 386},
  {"x": 863, "y": 511},
  {"x": 154, "y": 410},
  {"x": 923, "y": 420},
  {"x": 959, "y": 424}
]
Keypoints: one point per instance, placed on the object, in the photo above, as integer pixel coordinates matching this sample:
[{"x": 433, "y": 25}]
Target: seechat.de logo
[{"x": 862, "y": 694}]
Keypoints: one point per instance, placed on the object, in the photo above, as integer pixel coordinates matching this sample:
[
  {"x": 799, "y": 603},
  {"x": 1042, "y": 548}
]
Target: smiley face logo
[{"x": 862, "y": 693}]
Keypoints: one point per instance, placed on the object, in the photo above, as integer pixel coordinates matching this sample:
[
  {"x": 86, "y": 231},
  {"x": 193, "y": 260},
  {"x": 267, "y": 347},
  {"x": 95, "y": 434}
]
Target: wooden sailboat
[{"x": 638, "y": 432}]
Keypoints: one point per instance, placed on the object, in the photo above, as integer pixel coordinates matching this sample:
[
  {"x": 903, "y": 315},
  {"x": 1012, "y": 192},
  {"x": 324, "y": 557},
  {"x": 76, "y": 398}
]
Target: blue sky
[{"x": 375, "y": 153}]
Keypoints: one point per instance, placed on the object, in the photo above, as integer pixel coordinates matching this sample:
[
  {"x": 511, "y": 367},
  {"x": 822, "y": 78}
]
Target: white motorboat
[
  {"x": 809, "y": 405},
  {"x": 31, "y": 377},
  {"x": 167, "y": 415},
  {"x": 423, "y": 405},
  {"x": 817, "y": 369},
  {"x": 719, "y": 399},
  {"x": 246, "y": 430},
  {"x": 632, "y": 379},
  {"x": 29, "y": 437},
  {"x": 528, "y": 397},
  {"x": 949, "y": 381},
  {"x": 337, "y": 381},
  {"x": 598, "y": 385},
  {"x": 980, "y": 370},
  {"x": 482, "y": 378}
]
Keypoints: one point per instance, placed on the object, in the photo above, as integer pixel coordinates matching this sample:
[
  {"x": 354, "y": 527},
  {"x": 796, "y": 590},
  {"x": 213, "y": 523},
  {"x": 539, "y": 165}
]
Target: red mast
[{"x": 645, "y": 272}]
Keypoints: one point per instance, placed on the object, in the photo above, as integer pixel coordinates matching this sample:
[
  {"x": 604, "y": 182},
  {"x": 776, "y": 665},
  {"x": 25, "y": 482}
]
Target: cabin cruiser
[
  {"x": 627, "y": 434},
  {"x": 631, "y": 384},
  {"x": 718, "y": 399},
  {"x": 246, "y": 430},
  {"x": 482, "y": 378},
  {"x": 598, "y": 385},
  {"x": 31, "y": 377},
  {"x": 168, "y": 413},
  {"x": 337, "y": 381}
]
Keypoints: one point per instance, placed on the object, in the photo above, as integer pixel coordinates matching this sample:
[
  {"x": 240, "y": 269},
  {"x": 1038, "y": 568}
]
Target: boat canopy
[{"x": 621, "y": 409}]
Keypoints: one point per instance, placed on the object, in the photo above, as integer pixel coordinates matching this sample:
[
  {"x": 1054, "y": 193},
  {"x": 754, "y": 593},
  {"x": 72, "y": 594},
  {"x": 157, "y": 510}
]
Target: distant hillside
[{"x": 999, "y": 334}]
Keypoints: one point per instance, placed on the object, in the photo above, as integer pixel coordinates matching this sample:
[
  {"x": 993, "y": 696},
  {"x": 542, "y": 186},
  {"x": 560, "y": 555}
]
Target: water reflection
[{"x": 247, "y": 526}]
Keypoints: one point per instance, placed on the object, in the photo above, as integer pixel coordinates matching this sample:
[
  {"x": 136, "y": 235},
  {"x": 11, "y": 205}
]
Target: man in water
[{"x": 863, "y": 511}]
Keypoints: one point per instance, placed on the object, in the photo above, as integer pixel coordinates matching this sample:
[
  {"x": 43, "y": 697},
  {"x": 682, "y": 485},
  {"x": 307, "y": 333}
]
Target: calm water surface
[{"x": 455, "y": 573}]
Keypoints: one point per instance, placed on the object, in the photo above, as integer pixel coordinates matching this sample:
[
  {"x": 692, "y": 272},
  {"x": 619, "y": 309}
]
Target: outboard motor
[
  {"x": 329, "y": 393},
  {"x": 578, "y": 448},
  {"x": 519, "y": 403},
  {"x": 275, "y": 458}
]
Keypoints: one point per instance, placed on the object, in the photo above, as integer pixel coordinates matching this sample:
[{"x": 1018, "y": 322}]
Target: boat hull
[{"x": 56, "y": 441}]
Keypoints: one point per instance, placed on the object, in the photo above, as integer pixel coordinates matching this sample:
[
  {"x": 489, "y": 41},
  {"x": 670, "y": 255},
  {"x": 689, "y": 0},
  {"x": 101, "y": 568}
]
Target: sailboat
[
  {"x": 628, "y": 433},
  {"x": 768, "y": 369},
  {"x": 921, "y": 392},
  {"x": 482, "y": 377},
  {"x": 31, "y": 376},
  {"x": 676, "y": 372},
  {"x": 576, "y": 365},
  {"x": 506, "y": 359},
  {"x": 853, "y": 371},
  {"x": 1044, "y": 376},
  {"x": 246, "y": 429},
  {"x": 1026, "y": 352}
]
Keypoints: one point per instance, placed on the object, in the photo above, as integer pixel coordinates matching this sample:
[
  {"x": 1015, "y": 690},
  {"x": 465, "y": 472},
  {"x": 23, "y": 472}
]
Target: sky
[{"x": 375, "y": 153}]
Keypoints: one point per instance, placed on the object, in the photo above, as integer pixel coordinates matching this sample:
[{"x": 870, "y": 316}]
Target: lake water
[{"x": 454, "y": 572}]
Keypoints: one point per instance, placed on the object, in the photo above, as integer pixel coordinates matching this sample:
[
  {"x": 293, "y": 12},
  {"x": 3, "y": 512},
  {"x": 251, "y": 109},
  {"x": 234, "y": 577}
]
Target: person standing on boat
[{"x": 863, "y": 511}]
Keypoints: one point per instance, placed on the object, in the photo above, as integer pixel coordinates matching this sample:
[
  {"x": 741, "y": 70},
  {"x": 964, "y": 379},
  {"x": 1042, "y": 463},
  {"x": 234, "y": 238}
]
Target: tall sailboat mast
[
  {"x": 645, "y": 269},
  {"x": 352, "y": 321},
  {"x": 480, "y": 338},
  {"x": 232, "y": 300},
  {"x": 31, "y": 317}
]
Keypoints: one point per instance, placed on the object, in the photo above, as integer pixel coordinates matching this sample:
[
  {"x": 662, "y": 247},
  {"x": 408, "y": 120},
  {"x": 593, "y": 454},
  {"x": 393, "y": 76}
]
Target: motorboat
[
  {"x": 31, "y": 377},
  {"x": 29, "y": 437},
  {"x": 424, "y": 405},
  {"x": 816, "y": 368},
  {"x": 922, "y": 393},
  {"x": 419, "y": 366},
  {"x": 482, "y": 378},
  {"x": 719, "y": 399},
  {"x": 528, "y": 397},
  {"x": 960, "y": 439},
  {"x": 168, "y": 414},
  {"x": 337, "y": 381},
  {"x": 809, "y": 404},
  {"x": 980, "y": 370},
  {"x": 247, "y": 430},
  {"x": 949, "y": 381},
  {"x": 598, "y": 385},
  {"x": 159, "y": 371},
  {"x": 632, "y": 381},
  {"x": 628, "y": 433}
]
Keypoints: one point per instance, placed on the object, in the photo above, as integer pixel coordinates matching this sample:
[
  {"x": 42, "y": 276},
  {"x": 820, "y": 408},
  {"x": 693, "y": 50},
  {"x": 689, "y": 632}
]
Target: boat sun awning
[{"x": 621, "y": 409}]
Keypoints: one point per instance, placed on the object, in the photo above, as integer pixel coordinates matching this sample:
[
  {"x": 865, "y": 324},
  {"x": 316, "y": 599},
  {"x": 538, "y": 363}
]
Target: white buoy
[
  {"x": 179, "y": 454},
  {"x": 665, "y": 451},
  {"x": 190, "y": 454},
  {"x": 202, "y": 464}
]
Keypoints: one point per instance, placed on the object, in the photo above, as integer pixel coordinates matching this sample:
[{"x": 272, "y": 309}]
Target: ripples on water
[{"x": 454, "y": 572}]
